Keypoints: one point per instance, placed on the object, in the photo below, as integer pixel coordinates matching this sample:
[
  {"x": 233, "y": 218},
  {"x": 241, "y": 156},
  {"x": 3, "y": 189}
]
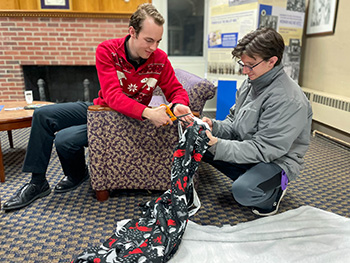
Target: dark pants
[
  {"x": 66, "y": 124},
  {"x": 254, "y": 185}
]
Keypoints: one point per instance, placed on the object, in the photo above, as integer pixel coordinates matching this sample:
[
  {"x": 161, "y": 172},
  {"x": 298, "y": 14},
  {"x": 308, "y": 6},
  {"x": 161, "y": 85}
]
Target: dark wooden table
[{"x": 14, "y": 119}]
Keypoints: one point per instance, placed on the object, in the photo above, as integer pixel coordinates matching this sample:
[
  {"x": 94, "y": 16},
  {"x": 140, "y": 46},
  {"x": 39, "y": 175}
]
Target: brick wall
[{"x": 49, "y": 41}]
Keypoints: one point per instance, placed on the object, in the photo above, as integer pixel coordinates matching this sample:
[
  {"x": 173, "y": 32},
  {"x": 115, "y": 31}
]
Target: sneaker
[
  {"x": 275, "y": 205},
  {"x": 27, "y": 195}
]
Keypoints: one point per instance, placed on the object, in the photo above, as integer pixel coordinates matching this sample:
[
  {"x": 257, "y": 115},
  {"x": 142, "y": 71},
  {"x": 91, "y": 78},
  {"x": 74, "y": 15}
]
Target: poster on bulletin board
[{"x": 228, "y": 22}]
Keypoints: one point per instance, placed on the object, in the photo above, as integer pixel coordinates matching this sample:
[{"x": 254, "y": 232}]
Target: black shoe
[
  {"x": 27, "y": 195},
  {"x": 67, "y": 184},
  {"x": 275, "y": 205}
]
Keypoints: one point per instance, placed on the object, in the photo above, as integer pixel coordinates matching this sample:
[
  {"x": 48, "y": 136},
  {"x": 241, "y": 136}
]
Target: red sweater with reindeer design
[{"x": 129, "y": 91}]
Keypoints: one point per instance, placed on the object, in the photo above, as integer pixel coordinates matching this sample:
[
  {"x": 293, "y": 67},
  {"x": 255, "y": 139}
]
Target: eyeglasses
[{"x": 249, "y": 67}]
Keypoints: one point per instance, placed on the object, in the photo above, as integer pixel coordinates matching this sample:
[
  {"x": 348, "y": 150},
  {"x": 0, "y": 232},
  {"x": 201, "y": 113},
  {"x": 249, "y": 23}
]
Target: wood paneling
[
  {"x": 86, "y": 5},
  {"x": 9, "y": 4},
  {"x": 28, "y": 4},
  {"x": 120, "y": 5},
  {"x": 93, "y": 7}
]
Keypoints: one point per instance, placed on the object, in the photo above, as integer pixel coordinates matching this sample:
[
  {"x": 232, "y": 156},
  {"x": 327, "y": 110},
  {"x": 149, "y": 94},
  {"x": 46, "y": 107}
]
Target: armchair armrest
[
  {"x": 105, "y": 108},
  {"x": 99, "y": 108}
]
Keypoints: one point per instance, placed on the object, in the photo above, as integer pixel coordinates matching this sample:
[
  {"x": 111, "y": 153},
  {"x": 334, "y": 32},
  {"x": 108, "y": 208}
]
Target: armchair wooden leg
[{"x": 102, "y": 195}]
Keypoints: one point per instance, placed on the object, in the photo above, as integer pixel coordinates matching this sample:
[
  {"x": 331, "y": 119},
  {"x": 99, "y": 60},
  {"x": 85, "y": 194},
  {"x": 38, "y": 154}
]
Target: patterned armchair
[{"x": 126, "y": 153}]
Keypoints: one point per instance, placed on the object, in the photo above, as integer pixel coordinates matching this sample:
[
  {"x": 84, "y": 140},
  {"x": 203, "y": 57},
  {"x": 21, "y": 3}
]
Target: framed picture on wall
[
  {"x": 321, "y": 17},
  {"x": 55, "y": 4}
]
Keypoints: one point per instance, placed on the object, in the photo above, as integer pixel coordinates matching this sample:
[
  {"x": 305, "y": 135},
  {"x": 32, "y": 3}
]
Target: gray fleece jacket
[{"x": 270, "y": 122}]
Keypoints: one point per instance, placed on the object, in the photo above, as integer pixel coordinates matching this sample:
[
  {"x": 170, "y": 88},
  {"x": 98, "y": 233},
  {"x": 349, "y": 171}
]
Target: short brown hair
[
  {"x": 143, "y": 11},
  {"x": 263, "y": 42}
]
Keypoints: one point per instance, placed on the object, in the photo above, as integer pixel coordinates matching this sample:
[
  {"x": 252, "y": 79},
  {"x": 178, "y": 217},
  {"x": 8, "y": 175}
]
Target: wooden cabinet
[{"x": 77, "y": 7}]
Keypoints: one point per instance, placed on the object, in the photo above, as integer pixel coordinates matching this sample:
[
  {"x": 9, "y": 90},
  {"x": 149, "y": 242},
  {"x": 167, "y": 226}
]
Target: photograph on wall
[
  {"x": 321, "y": 16},
  {"x": 268, "y": 20},
  {"x": 227, "y": 24},
  {"x": 55, "y": 4},
  {"x": 291, "y": 58},
  {"x": 215, "y": 38},
  {"x": 296, "y": 5}
]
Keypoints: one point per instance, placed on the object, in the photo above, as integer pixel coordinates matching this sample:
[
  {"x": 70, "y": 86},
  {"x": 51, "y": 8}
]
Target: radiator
[{"x": 330, "y": 109}]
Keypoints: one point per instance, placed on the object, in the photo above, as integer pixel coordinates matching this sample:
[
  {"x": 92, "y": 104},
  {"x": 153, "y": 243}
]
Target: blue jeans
[
  {"x": 66, "y": 124},
  {"x": 254, "y": 185}
]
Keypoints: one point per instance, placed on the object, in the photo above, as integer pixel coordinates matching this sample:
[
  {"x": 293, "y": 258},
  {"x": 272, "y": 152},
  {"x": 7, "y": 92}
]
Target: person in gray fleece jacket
[{"x": 262, "y": 142}]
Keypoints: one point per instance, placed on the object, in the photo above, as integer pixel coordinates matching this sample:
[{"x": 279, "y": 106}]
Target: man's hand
[
  {"x": 157, "y": 116},
  {"x": 181, "y": 109}
]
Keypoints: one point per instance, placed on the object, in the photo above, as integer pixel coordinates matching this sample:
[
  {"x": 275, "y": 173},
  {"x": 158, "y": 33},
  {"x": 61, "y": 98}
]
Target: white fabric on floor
[{"x": 305, "y": 234}]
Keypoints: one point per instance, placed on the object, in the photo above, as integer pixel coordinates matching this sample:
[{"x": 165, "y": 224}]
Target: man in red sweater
[{"x": 129, "y": 69}]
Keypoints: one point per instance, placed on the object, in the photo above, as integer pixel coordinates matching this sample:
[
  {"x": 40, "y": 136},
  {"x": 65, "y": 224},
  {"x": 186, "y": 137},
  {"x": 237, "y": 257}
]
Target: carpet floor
[{"x": 60, "y": 226}]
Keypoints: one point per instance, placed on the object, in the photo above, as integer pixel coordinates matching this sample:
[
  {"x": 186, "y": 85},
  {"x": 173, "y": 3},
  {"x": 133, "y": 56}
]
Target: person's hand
[
  {"x": 181, "y": 109},
  {"x": 157, "y": 116},
  {"x": 212, "y": 140},
  {"x": 210, "y": 123}
]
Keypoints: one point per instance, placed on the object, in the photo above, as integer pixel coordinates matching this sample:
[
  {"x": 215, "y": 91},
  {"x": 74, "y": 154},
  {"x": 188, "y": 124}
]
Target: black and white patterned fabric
[{"x": 156, "y": 235}]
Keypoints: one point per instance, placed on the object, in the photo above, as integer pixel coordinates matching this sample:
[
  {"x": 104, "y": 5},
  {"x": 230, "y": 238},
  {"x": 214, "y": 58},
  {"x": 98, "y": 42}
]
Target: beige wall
[{"x": 325, "y": 62}]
